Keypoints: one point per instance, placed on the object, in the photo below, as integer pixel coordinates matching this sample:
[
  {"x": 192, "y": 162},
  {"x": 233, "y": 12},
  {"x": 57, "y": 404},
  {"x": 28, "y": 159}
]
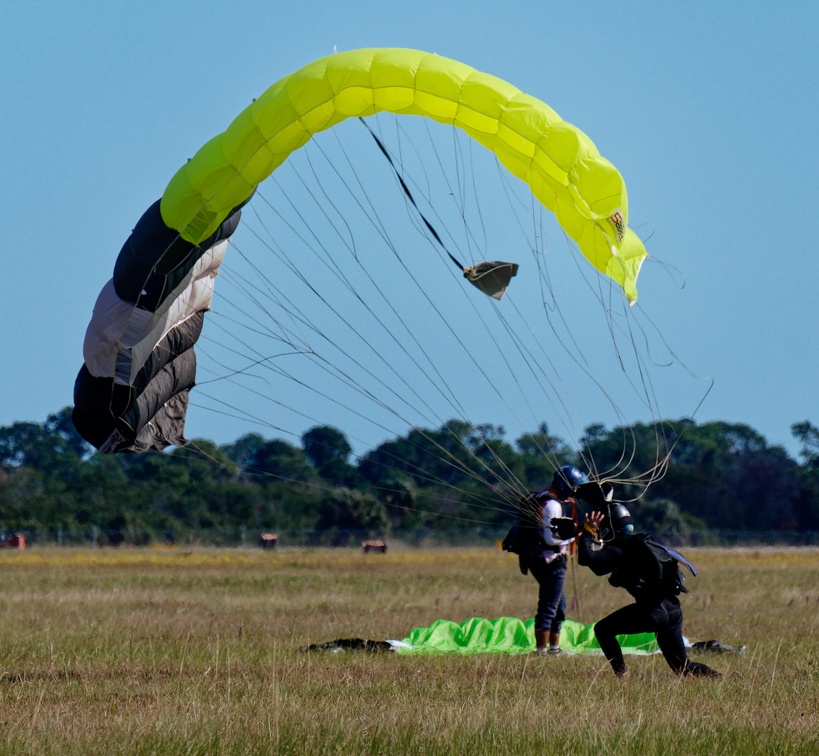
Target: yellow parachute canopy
[{"x": 560, "y": 164}]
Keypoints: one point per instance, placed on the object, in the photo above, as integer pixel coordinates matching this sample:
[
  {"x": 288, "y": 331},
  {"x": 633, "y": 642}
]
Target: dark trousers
[
  {"x": 664, "y": 619},
  {"x": 551, "y": 601}
]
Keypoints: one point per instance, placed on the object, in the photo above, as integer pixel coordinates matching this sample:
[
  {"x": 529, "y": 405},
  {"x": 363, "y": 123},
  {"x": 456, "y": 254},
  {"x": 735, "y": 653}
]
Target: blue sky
[{"x": 708, "y": 109}]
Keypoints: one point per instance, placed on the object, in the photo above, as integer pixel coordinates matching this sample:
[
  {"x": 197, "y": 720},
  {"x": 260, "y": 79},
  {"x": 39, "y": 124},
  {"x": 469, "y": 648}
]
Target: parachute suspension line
[
  {"x": 463, "y": 469},
  {"x": 406, "y": 191},
  {"x": 408, "y": 385},
  {"x": 373, "y": 218},
  {"x": 457, "y": 192},
  {"x": 277, "y": 370},
  {"x": 528, "y": 358},
  {"x": 419, "y": 472},
  {"x": 475, "y": 194},
  {"x": 657, "y": 472},
  {"x": 537, "y": 235},
  {"x": 460, "y": 341},
  {"x": 575, "y": 352},
  {"x": 295, "y": 270},
  {"x": 643, "y": 388},
  {"x": 632, "y": 317},
  {"x": 406, "y": 182},
  {"x": 492, "y": 277},
  {"x": 349, "y": 242},
  {"x": 375, "y": 399},
  {"x": 533, "y": 212},
  {"x": 337, "y": 372},
  {"x": 511, "y": 332},
  {"x": 195, "y": 450},
  {"x": 306, "y": 386},
  {"x": 461, "y": 209},
  {"x": 576, "y": 355},
  {"x": 507, "y": 327},
  {"x": 572, "y": 349},
  {"x": 402, "y": 136}
]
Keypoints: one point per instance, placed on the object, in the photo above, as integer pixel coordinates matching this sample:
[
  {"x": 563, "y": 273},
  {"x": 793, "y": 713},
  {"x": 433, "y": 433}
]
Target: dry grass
[{"x": 170, "y": 651}]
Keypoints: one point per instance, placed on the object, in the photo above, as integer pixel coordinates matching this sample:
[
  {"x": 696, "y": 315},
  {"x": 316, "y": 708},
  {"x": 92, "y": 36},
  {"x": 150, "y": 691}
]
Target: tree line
[{"x": 720, "y": 478}]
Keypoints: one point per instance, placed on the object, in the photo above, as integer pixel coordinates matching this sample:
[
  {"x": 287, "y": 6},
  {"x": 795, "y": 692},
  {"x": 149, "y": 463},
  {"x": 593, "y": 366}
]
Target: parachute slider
[
  {"x": 596, "y": 495},
  {"x": 492, "y": 277}
]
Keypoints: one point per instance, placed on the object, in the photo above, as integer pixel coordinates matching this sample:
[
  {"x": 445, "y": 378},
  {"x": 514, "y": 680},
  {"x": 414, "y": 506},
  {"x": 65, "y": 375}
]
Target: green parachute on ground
[
  {"x": 510, "y": 635},
  {"x": 503, "y": 635}
]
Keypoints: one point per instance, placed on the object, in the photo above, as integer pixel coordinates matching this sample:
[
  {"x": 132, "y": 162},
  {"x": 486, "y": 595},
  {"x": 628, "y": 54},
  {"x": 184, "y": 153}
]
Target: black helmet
[
  {"x": 567, "y": 479},
  {"x": 620, "y": 519}
]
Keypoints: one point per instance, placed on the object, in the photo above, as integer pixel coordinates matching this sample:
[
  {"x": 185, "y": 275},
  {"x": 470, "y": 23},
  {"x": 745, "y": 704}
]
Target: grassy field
[{"x": 196, "y": 651}]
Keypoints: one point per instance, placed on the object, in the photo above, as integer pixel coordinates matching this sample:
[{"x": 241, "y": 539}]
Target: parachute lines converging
[{"x": 340, "y": 301}]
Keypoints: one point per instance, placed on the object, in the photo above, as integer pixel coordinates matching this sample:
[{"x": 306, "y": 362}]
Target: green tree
[
  {"x": 541, "y": 453},
  {"x": 665, "y": 519},
  {"x": 350, "y": 514},
  {"x": 808, "y": 435},
  {"x": 328, "y": 451},
  {"x": 60, "y": 424},
  {"x": 33, "y": 445}
]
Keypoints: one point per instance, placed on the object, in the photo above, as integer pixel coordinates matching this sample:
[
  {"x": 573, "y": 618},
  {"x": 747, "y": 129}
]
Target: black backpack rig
[
  {"x": 525, "y": 537},
  {"x": 655, "y": 568}
]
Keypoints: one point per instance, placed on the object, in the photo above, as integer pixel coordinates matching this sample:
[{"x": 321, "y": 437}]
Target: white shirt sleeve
[{"x": 552, "y": 508}]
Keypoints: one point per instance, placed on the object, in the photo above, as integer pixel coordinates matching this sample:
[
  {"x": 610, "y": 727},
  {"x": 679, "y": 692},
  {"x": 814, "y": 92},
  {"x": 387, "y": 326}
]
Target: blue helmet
[{"x": 566, "y": 481}]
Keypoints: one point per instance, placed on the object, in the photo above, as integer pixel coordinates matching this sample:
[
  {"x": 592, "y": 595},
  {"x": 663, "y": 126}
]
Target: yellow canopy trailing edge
[{"x": 556, "y": 160}]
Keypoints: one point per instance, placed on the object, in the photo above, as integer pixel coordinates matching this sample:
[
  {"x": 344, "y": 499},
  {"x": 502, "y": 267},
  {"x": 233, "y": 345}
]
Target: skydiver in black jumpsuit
[{"x": 656, "y": 609}]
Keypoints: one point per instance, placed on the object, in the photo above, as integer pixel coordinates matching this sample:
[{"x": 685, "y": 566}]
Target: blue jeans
[{"x": 551, "y": 601}]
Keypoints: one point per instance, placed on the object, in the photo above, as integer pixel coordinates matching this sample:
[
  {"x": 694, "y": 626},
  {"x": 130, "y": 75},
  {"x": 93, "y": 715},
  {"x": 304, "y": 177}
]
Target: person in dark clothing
[{"x": 631, "y": 565}]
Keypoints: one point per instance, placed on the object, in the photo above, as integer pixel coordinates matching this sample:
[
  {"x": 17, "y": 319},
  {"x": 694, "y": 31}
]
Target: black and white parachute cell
[{"x": 132, "y": 390}]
